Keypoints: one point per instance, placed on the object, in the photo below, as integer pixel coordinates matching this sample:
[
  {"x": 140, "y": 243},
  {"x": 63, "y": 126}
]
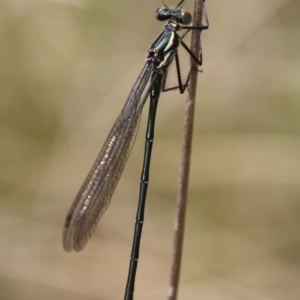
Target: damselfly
[{"x": 94, "y": 196}]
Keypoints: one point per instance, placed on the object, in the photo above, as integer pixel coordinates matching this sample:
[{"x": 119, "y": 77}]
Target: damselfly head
[{"x": 181, "y": 16}]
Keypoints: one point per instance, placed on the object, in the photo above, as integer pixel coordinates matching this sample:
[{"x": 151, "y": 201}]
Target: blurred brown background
[{"x": 67, "y": 67}]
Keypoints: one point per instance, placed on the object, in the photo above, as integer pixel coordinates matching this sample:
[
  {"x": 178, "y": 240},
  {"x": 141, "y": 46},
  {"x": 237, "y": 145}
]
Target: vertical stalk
[{"x": 186, "y": 158}]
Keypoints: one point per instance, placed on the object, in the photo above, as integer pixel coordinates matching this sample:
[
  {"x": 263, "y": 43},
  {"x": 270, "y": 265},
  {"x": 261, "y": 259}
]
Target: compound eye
[
  {"x": 186, "y": 17},
  {"x": 162, "y": 14}
]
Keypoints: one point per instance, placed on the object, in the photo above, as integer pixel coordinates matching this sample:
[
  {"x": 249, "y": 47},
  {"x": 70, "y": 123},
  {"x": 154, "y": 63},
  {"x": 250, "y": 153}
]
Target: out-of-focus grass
[{"x": 66, "y": 69}]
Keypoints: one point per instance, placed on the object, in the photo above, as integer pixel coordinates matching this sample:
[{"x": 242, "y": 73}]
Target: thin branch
[{"x": 186, "y": 158}]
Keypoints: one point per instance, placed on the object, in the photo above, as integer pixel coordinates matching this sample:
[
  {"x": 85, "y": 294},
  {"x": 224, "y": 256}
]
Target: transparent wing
[{"x": 94, "y": 196}]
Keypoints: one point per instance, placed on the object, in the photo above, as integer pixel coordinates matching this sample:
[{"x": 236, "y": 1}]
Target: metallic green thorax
[{"x": 163, "y": 48}]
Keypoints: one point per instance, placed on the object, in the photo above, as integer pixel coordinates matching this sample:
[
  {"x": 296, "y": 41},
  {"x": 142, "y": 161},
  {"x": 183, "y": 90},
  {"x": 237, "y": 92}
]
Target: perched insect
[{"x": 94, "y": 196}]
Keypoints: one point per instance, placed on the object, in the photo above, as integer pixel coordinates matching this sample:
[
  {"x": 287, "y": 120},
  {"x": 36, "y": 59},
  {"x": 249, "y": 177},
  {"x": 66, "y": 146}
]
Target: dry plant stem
[{"x": 186, "y": 158}]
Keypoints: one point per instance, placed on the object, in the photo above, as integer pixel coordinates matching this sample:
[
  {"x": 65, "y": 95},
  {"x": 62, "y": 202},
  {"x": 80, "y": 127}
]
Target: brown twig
[{"x": 186, "y": 158}]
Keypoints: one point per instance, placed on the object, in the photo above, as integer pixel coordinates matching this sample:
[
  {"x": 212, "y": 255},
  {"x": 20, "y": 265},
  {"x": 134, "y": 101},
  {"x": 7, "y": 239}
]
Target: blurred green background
[{"x": 67, "y": 67}]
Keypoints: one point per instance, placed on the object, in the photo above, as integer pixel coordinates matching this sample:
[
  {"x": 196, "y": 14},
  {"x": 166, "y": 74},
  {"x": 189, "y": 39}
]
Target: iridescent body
[{"x": 94, "y": 196}]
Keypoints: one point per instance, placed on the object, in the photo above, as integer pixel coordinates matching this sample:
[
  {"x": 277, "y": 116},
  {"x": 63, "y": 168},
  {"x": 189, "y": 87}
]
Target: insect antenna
[
  {"x": 164, "y": 4},
  {"x": 179, "y": 5}
]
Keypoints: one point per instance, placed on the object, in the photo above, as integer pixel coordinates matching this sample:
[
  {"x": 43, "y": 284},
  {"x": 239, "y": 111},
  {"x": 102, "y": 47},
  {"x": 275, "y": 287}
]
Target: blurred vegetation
[{"x": 66, "y": 69}]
